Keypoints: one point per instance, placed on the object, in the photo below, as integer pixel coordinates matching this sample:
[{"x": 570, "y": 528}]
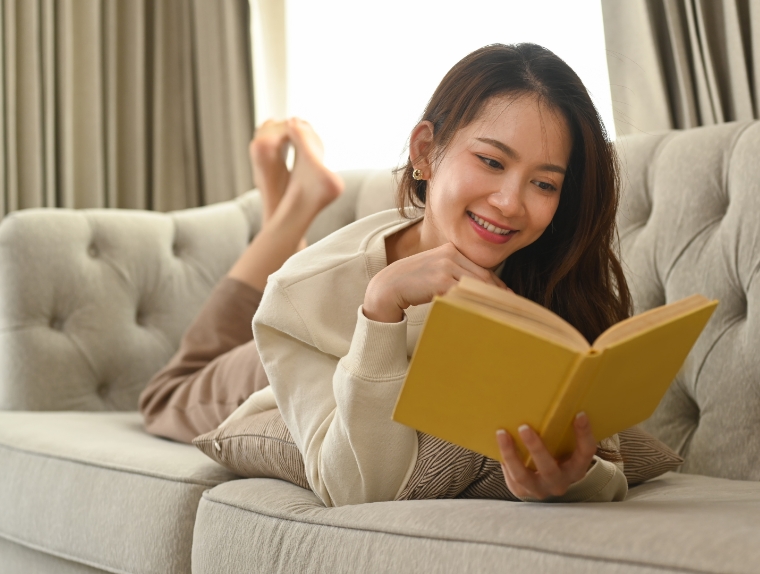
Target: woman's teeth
[{"x": 489, "y": 226}]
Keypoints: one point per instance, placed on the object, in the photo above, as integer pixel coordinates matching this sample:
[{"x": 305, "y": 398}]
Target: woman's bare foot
[
  {"x": 312, "y": 186},
  {"x": 268, "y": 151}
]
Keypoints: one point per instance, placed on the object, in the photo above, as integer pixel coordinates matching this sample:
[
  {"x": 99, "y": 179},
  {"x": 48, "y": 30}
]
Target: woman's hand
[
  {"x": 417, "y": 279},
  {"x": 551, "y": 478}
]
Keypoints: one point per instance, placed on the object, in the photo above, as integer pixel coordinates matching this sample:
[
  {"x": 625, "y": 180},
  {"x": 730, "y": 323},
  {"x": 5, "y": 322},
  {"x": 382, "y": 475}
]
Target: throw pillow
[{"x": 260, "y": 445}]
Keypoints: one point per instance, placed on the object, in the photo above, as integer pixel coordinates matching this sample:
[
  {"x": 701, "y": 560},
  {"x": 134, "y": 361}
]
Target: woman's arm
[{"x": 339, "y": 409}]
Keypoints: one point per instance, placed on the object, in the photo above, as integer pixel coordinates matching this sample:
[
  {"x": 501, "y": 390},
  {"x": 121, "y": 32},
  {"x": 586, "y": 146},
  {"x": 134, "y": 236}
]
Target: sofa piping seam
[
  {"x": 58, "y": 554},
  {"x": 125, "y": 470}
]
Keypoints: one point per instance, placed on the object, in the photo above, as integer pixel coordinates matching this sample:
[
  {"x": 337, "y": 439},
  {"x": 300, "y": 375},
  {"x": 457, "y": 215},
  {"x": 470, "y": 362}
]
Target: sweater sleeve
[{"x": 338, "y": 409}]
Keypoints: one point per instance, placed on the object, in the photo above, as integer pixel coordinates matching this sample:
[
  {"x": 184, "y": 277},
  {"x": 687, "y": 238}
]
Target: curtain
[
  {"x": 682, "y": 63},
  {"x": 143, "y": 104}
]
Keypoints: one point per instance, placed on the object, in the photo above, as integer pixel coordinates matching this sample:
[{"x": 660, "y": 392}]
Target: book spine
[{"x": 560, "y": 417}]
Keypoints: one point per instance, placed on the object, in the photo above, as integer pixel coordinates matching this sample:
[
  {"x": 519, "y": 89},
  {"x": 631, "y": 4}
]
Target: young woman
[{"x": 510, "y": 180}]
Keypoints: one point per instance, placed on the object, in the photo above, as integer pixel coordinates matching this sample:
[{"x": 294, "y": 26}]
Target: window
[{"x": 362, "y": 72}]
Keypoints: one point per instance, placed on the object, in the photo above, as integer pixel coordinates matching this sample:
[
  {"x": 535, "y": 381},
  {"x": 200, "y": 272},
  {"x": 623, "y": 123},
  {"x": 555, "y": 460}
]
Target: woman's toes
[
  {"x": 268, "y": 152},
  {"x": 305, "y": 139}
]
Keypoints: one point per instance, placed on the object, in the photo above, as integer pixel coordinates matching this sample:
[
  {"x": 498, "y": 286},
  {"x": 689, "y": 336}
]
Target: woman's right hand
[{"x": 418, "y": 278}]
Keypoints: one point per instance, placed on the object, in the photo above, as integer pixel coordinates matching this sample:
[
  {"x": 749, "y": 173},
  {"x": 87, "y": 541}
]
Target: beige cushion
[
  {"x": 674, "y": 523},
  {"x": 260, "y": 446},
  {"x": 96, "y": 489}
]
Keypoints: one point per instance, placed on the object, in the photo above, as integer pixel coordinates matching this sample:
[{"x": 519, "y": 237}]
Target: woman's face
[{"x": 497, "y": 186}]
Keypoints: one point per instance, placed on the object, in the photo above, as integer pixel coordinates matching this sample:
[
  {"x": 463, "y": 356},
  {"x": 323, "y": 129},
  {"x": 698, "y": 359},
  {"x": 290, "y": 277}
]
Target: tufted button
[
  {"x": 140, "y": 318},
  {"x": 92, "y": 250},
  {"x": 56, "y": 323},
  {"x": 102, "y": 390},
  {"x": 175, "y": 250}
]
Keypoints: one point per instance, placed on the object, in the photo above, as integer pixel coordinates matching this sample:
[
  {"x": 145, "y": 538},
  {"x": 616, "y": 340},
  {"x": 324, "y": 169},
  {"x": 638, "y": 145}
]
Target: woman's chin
[{"x": 484, "y": 260}]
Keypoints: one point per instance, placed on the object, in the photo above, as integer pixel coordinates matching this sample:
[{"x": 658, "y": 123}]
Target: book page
[
  {"x": 519, "y": 307},
  {"x": 528, "y": 325},
  {"x": 649, "y": 319}
]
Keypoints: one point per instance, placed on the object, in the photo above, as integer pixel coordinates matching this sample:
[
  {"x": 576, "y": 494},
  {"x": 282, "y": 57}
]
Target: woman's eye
[
  {"x": 490, "y": 162},
  {"x": 545, "y": 186}
]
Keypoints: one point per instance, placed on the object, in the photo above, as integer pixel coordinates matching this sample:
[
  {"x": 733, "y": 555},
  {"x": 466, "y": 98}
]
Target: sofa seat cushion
[
  {"x": 95, "y": 488},
  {"x": 675, "y": 523}
]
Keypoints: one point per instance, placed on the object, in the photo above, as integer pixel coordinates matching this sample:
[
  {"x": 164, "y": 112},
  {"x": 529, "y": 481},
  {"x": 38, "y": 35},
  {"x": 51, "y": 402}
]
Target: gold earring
[{"x": 417, "y": 174}]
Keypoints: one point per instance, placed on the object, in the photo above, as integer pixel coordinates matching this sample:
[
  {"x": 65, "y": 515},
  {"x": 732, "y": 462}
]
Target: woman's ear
[{"x": 421, "y": 147}]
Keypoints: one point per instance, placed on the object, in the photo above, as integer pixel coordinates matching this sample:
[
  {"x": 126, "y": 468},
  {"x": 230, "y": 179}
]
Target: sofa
[{"x": 92, "y": 302}]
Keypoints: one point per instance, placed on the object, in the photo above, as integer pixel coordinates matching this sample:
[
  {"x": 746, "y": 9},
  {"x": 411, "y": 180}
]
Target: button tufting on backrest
[
  {"x": 698, "y": 191},
  {"x": 102, "y": 390},
  {"x": 92, "y": 250},
  {"x": 56, "y": 323},
  {"x": 176, "y": 250}
]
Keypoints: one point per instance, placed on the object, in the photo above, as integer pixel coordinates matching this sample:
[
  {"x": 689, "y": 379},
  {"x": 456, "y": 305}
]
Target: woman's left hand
[{"x": 551, "y": 477}]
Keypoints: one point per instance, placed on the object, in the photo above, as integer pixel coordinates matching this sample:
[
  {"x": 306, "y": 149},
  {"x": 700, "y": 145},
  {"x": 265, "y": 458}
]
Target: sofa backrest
[
  {"x": 689, "y": 224},
  {"x": 93, "y": 302}
]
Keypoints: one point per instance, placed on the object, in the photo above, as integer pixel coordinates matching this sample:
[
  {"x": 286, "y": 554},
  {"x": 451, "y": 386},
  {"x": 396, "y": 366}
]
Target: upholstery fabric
[
  {"x": 18, "y": 559},
  {"x": 688, "y": 224},
  {"x": 96, "y": 489},
  {"x": 675, "y": 523}
]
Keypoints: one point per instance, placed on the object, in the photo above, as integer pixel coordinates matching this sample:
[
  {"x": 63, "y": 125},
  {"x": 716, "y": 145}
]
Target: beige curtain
[
  {"x": 682, "y": 63},
  {"x": 141, "y": 104}
]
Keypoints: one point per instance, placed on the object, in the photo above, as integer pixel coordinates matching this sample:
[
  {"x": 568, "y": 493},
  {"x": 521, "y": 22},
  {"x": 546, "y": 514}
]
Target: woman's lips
[{"x": 489, "y": 235}]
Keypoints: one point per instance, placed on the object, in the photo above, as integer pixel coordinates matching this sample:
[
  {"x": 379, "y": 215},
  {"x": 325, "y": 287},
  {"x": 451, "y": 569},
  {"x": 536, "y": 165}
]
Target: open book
[{"x": 489, "y": 359}]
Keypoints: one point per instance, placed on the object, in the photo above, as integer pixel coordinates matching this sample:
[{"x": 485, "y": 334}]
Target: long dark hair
[{"x": 573, "y": 268}]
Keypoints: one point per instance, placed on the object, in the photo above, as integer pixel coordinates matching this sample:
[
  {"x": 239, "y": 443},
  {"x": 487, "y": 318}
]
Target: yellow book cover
[{"x": 489, "y": 359}]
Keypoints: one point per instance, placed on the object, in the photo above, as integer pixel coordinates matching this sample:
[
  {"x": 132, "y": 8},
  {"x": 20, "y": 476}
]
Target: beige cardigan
[{"x": 335, "y": 374}]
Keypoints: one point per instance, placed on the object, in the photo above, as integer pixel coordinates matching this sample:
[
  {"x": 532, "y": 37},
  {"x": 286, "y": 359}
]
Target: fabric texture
[
  {"x": 95, "y": 488},
  {"x": 645, "y": 457},
  {"x": 682, "y": 64},
  {"x": 260, "y": 445},
  {"x": 216, "y": 368},
  {"x": 675, "y": 523},
  {"x": 18, "y": 559},
  {"x": 141, "y": 104},
  {"x": 676, "y": 243}
]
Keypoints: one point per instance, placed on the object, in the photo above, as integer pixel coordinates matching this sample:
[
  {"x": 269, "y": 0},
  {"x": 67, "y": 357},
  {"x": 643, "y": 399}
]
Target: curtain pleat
[
  {"x": 143, "y": 104},
  {"x": 704, "y": 53}
]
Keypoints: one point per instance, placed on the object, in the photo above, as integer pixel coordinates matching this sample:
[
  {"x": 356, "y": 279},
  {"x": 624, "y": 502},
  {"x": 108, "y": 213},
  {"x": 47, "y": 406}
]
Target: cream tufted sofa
[{"x": 93, "y": 302}]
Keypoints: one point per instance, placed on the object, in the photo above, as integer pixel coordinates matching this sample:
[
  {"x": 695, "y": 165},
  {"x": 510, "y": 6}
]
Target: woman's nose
[{"x": 509, "y": 201}]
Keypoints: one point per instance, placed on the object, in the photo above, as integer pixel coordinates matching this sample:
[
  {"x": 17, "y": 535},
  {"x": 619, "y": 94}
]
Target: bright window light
[{"x": 362, "y": 72}]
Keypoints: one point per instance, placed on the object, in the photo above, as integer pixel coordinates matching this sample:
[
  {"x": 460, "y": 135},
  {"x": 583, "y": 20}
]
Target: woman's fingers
[
  {"x": 520, "y": 480},
  {"x": 475, "y": 270},
  {"x": 550, "y": 477},
  {"x": 585, "y": 447}
]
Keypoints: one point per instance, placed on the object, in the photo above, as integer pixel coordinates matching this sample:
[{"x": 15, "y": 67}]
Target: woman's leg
[{"x": 217, "y": 365}]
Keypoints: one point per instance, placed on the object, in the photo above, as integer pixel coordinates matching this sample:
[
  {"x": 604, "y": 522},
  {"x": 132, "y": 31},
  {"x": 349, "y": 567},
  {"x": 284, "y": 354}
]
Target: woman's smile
[{"x": 489, "y": 231}]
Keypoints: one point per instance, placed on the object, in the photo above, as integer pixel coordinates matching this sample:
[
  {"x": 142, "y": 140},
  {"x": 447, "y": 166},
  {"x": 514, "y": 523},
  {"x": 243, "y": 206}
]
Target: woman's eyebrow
[{"x": 512, "y": 154}]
